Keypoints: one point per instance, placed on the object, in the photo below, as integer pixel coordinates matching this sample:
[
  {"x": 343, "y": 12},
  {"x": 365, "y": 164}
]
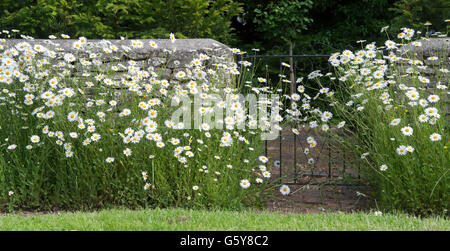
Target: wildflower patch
[{"x": 88, "y": 124}]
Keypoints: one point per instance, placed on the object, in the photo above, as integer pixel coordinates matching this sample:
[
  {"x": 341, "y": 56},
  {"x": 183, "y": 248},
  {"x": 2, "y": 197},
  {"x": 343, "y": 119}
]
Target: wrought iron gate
[{"x": 294, "y": 163}]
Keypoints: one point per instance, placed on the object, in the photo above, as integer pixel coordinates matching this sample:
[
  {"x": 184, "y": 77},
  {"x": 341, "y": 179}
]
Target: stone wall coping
[
  {"x": 430, "y": 46},
  {"x": 179, "y": 44}
]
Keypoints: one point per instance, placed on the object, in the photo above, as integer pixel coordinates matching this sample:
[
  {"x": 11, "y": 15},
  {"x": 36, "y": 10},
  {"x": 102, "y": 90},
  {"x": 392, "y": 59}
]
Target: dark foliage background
[
  {"x": 338, "y": 24},
  {"x": 322, "y": 26}
]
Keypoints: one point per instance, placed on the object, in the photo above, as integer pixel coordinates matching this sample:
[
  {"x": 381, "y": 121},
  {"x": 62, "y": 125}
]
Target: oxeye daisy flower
[
  {"x": 205, "y": 126},
  {"x": 195, "y": 188},
  {"x": 433, "y": 98},
  {"x": 424, "y": 80},
  {"x": 413, "y": 95},
  {"x": 91, "y": 129},
  {"x": 390, "y": 44},
  {"x": 95, "y": 137},
  {"x": 109, "y": 160},
  {"x": 72, "y": 116},
  {"x": 261, "y": 80},
  {"x": 69, "y": 153},
  {"x": 266, "y": 174},
  {"x": 407, "y": 131},
  {"x": 364, "y": 155},
  {"x": 378, "y": 213},
  {"x": 432, "y": 121},
  {"x": 172, "y": 37},
  {"x": 410, "y": 149},
  {"x": 69, "y": 57},
  {"x": 378, "y": 74},
  {"x": 144, "y": 175},
  {"x": 180, "y": 75},
  {"x": 147, "y": 186},
  {"x": 245, "y": 184},
  {"x": 326, "y": 116},
  {"x": 431, "y": 111},
  {"x": 285, "y": 190},
  {"x": 278, "y": 118},
  {"x": 35, "y": 139},
  {"x": 39, "y": 48},
  {"x": 435, "y": 137},
  {"x": 127, "y": 152},
  {"x": 383, "y": 167},
  {"x": 401, "y": 150},
  {"x": 423, "y": 118},
  {"x": 153, "y": 44},
  {"x": 395, "y": 122},
  {"x": 423, "y": 103},
  {"x": 263, "y": 159}
]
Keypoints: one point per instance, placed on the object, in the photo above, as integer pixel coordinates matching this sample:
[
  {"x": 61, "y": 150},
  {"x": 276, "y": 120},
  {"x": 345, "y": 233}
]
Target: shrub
[
  {"x": 415, "y": 13},
  {"x": 126, "y": 18},
  {"x": 87, "y": 141}
]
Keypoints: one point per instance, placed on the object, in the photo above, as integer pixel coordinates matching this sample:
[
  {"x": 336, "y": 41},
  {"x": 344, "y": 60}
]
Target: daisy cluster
[
  {"x": 101, "y": 108},
  {"x": 374, "y": 74},
  {"x": 393, "y": 102}
]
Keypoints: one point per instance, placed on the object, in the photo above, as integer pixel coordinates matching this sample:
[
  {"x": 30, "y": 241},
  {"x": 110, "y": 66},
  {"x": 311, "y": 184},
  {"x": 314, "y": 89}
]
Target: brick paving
[{"x": 331, "y": 165}]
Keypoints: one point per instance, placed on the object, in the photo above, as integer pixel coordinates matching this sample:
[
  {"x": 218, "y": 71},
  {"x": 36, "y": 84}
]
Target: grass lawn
[{"x": 180, "y": 219}]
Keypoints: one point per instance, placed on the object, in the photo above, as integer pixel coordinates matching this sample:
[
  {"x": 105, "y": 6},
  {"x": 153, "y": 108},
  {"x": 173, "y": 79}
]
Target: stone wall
[
  {"x": 166, "y": 59},
  {"x": 432, "y": 47}
]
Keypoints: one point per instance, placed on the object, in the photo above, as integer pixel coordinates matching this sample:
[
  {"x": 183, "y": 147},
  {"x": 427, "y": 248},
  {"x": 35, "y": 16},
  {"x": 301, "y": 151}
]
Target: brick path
[{"x": 329, "y": 159}]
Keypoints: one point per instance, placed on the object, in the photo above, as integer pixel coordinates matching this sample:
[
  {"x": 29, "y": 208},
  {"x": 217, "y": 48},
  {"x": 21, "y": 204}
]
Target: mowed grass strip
[{"x": 191, "y": 220}]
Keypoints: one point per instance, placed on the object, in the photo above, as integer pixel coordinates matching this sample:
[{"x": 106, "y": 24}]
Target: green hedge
[{"x": 121, "y": 18}]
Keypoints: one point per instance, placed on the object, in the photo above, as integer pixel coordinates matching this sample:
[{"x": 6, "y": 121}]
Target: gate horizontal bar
[
  {"x": 285, "y": 56},
  {"x": 324, "y": 184}
]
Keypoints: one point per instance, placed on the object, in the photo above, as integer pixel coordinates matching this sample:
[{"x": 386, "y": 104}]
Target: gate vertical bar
[
  {"x": 343, "y": 164},
  {"x": 329, "y": 156},
  {"x": 280, "y": 136},
  {"x": 295, "y": 135}
]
